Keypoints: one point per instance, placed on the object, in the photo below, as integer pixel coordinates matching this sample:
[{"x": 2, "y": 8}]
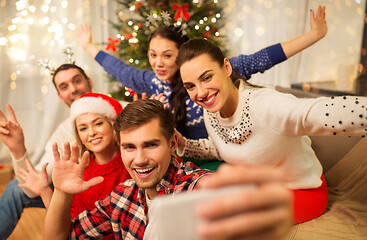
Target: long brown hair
[{"x": 197, "y": 47}]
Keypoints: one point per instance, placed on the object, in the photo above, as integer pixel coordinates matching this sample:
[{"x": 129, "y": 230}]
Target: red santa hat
[{"x": 95, "y": 103}]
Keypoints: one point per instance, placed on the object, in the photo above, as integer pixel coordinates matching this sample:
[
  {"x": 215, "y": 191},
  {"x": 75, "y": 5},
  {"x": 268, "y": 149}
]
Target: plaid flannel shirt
[{"x": 123, "y": 212}]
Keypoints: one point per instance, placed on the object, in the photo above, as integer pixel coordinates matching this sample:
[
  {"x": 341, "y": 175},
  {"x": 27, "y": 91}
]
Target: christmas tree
[{"x": 138, "y": 19}]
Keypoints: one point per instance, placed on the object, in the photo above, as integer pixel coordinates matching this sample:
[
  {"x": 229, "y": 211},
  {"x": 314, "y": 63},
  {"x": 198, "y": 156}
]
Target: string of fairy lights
[{"x": 22, "y": 17}]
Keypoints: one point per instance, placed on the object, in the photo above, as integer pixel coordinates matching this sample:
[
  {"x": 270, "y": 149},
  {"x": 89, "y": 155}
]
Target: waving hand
[{"x": 67, "y": 175}]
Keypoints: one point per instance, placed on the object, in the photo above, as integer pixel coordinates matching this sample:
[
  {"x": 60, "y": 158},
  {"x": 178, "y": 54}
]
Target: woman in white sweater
[{"x": 253, "y": 125}]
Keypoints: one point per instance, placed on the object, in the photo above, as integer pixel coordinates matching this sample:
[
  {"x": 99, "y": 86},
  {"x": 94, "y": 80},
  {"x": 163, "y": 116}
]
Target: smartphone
[{"x": 173, "y": 216}]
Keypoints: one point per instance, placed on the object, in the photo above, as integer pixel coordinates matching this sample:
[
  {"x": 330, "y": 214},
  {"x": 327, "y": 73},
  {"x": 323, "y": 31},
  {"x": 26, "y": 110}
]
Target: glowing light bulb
[
  {"x": 238, "y": 32},
  {"x": 39, "y": 106},
  {"x": 64, "y": 4},
  {"x": 44, "y": 89},
  {"x": 71, "y": 26},
  {"x": 30, "y": 21},
  {"x": 16, "y": 20},
  {"x": 13, "y": 85},
  {"x": 13, "y": 76},
  {"x": 20, "y": 5},
  {"x": 24, "y": 13},
  {"x": 3, "y": 41},
  {"x": 32, "y": 9},
  {"x": 45, "y": 20},
  {"x": 12, "y": 27},
  {"x": 45, "y": 8}
]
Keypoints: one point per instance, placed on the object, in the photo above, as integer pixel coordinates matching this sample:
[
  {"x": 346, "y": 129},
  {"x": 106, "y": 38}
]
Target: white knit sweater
[{"x": 270, "y": 128}]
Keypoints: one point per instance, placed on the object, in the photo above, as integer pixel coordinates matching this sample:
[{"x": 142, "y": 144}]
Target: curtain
[
  {"x": 255, "y": 24},
  {"x": 35, "y": 30}
]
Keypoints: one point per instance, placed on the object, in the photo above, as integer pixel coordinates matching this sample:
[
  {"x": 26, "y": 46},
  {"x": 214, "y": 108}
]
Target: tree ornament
[
  {"x": 112, "y": 44},
  {"x": 165, "y": 15},
  {"x": 138, "y": 5},
  {"x": 181, "y": 12},
  {"x": 128, "y": 36}
]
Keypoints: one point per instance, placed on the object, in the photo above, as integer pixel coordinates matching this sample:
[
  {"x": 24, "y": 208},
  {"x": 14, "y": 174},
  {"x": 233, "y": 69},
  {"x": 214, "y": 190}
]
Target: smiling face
[
  {"x": 71, "y": 84},
  {"x": 146, "y": 154},
  {"x": 162, "y": 55},
  {"x": 209, "y": 85},
  {"x": 95, "y": 132}
]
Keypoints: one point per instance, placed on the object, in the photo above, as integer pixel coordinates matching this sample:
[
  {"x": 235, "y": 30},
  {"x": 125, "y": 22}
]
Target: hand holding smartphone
[{"x": 173, "y": 216}]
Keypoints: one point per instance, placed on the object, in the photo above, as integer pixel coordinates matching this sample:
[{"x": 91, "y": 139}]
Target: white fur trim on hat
[{"x": 92, "y": 105}]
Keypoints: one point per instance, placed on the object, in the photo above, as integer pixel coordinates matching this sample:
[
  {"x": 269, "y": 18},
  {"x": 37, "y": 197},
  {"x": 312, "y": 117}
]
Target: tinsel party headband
[
  {"x": 163, "y": 18},
  {"x": 46, "y": 66}
]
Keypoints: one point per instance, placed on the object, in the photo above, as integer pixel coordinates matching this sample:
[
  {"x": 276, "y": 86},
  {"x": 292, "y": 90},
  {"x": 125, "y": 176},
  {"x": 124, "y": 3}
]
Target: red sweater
[{"x": 113, "y": 172}]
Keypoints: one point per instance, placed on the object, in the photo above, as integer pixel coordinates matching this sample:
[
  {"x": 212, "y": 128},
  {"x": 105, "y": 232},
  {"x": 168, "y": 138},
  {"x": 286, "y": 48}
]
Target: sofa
[{"x": 344, "y": 161}]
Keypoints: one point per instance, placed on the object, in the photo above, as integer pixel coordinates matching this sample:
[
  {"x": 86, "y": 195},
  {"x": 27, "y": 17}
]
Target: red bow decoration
[
  {"x": 112, "y": 44},
  {"x": 138, "y": 5},
  {"x": 131, "y": 92},
  {"x": 128, "y": 36},
  {"x": 181, "y": 11}
]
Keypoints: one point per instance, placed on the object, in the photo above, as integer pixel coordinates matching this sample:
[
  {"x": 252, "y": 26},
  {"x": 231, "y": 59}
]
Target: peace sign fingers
[{"x": 12, "y": 116}]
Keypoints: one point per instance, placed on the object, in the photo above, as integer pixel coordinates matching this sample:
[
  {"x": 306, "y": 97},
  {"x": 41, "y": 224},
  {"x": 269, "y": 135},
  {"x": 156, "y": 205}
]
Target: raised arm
[
  {"x": 68, "y": 179},
  {"x": 139, "y": 80},
  {"x": 11, "y": 134},
  {"x": 84, "y": 38},
  {"x": 270, "y": 56},
  {"x": 317, "y": 32}
]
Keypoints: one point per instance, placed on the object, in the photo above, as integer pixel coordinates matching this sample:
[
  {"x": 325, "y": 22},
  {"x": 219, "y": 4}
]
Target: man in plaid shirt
[{"x": 145, "y": 132}]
